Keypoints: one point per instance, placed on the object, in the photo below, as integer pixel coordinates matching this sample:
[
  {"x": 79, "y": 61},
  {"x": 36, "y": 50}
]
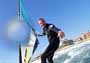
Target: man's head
[{"x": 41, "y": 22}]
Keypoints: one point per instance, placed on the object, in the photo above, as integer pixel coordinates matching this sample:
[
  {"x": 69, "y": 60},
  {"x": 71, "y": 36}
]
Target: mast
[
  {"x": 20, "y": 54},
  {"x": 19, "y": 18},
  {"x": 19, "y": 8}
]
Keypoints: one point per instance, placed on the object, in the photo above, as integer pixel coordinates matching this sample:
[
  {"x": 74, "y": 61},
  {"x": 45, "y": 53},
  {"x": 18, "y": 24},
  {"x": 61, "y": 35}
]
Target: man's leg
[
  {"x": 50, "y": 58},
  {"x": 43, "y": 58},
  {"x": 55, "y": 46},
  {"x": 48, "y": 52}
]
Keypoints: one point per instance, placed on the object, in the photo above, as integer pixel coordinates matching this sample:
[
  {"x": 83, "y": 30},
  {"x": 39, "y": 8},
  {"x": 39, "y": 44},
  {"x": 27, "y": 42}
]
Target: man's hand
[{"x": 61, "y": 34}]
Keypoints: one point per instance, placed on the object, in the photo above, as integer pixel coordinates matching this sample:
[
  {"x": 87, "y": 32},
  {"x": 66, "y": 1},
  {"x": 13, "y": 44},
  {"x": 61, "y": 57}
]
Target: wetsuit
[{"x": 51, "y": 32}]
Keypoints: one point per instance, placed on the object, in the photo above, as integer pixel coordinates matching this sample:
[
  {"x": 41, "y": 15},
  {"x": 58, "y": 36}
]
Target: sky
[{"x": 72, "y": 16}]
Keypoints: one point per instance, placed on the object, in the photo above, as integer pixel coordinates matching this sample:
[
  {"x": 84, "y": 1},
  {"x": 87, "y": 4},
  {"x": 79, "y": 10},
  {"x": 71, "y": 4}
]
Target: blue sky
[{"x": 72, "y": 16}]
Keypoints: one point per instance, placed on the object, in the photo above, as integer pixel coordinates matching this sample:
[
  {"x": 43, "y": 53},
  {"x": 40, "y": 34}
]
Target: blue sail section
[
  {"x": 23, "y": 13},
  {"x": 26, "y": 19}
]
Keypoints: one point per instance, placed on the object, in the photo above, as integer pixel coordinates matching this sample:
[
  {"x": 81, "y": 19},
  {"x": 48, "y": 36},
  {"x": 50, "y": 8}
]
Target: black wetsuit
[{"x": 51, "y": 32}]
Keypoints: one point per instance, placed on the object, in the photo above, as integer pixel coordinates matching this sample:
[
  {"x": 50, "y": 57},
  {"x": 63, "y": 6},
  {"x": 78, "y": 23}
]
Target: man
[{"x": 53, "y": 35}]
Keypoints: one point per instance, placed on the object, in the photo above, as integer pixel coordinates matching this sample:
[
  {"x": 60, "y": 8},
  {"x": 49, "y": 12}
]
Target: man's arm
[{"x": 40, "y": 34}]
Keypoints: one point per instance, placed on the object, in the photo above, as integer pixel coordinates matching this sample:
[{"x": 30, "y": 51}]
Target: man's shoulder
[{"x": 48, "y": 24}]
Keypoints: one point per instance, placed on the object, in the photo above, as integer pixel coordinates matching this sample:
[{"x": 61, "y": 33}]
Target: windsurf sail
[{"x": 27, "y": 51}]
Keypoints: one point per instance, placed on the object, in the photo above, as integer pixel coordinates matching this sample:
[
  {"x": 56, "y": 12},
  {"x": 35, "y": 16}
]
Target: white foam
[{"x": 70, "y": 53}]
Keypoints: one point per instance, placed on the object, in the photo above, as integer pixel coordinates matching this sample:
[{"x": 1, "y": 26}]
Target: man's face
[{"x": 41, "y": 23}]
